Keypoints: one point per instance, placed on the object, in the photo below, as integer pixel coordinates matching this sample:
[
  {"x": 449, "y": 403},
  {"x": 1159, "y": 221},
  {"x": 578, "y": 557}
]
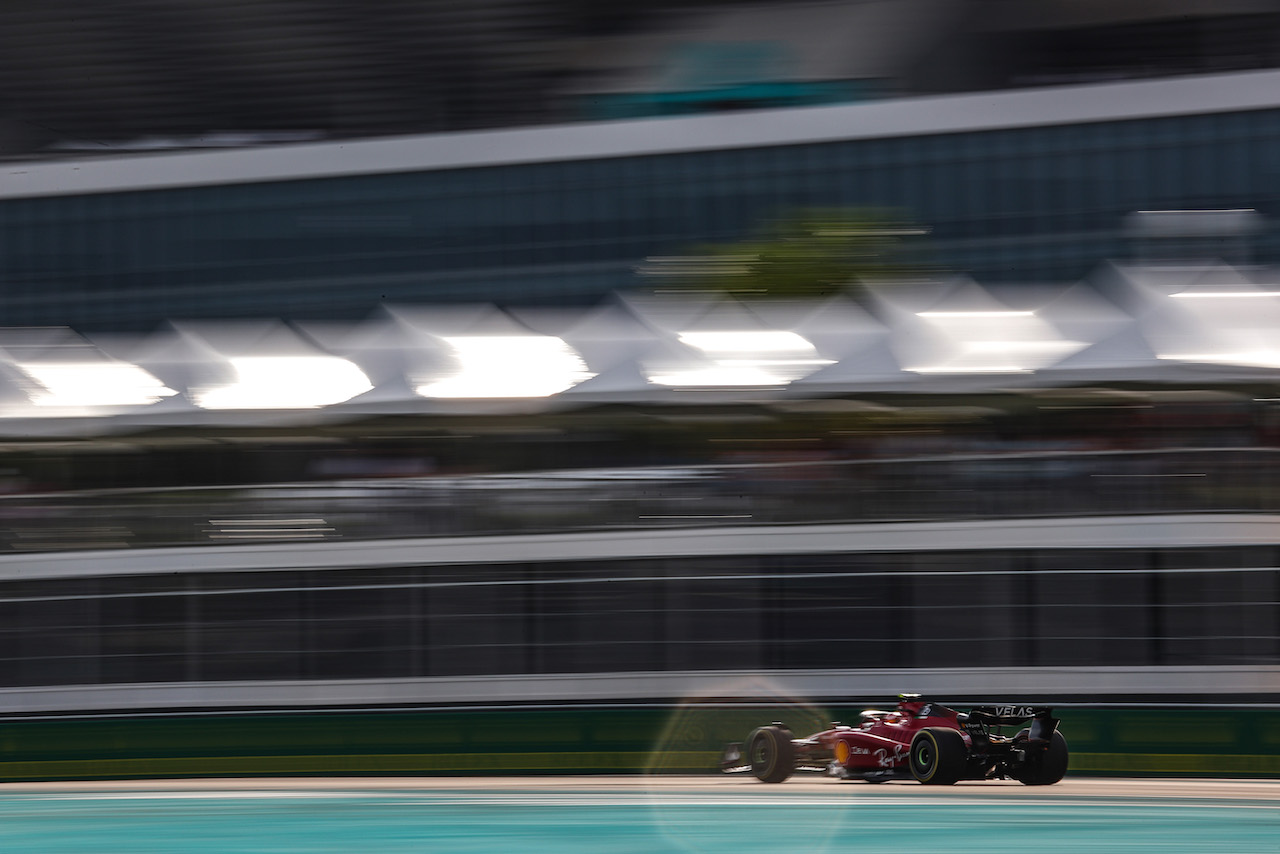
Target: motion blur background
[{"x": 548, "y": 385}]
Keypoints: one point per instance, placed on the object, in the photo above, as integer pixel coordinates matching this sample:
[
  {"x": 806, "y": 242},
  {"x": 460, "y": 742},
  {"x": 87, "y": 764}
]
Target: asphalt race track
[{"x": 637, "y": 814}]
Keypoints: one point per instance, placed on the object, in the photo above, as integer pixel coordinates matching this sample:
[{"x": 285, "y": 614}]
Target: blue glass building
[{"x": 1029, "y": 185}]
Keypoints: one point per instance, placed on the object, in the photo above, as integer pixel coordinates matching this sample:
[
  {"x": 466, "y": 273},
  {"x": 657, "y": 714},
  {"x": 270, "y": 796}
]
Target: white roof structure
[
  {"x": 1209, "y": 324},
  {"x": 899, "y": 117}
]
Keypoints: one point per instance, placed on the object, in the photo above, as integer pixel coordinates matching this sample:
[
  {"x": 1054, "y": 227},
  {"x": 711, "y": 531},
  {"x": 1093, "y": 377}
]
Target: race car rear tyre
[
  {"x": 1044, "y": 767},
  {"x": 938, "y": 756},
  {"x": 771, "y": 754}
]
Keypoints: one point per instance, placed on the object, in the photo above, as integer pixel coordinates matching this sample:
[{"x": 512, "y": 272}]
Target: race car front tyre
[
  {"x": 1047, "y": 766},
  {"x": 771, "y": 754},
  {"x": 938, "y": 756}
]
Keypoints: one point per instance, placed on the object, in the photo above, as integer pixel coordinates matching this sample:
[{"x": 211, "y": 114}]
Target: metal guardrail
[{"x": 954, "y": 487}]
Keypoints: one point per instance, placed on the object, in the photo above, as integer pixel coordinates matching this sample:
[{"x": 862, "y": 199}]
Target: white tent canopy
[{"x": 1176, "y": 326}]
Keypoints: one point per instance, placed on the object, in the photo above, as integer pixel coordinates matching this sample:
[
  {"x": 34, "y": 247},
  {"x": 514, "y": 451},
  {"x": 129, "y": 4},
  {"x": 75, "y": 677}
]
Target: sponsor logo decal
[
  {"x": 888, "y": 759},
  {"x": 844, "y": 750}
]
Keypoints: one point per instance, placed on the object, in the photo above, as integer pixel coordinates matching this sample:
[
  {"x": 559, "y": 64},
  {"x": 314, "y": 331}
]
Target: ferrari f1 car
[{"x": 920, "y": 739}]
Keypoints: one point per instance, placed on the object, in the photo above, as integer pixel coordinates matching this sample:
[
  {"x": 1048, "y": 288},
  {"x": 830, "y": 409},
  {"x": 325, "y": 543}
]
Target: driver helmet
[{"x": 911, "y": 704}]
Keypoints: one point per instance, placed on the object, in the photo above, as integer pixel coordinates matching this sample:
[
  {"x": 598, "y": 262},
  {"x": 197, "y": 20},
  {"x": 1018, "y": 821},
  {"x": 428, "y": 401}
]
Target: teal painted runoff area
[{"x": 389, "y": 822}]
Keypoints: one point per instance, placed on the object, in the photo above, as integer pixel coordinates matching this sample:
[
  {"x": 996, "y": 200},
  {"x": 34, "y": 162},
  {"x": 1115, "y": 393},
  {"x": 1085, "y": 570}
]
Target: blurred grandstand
[
  {"x": 646, "y": 379},
  {"x": 339, "y": 370},
  {"x": 425, "y": 152},
  {"x": 153, "y": 74}
]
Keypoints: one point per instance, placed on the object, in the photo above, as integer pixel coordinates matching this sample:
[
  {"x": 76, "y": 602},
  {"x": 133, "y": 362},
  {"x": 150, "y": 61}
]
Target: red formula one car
[{"x": 922, "y": 740}]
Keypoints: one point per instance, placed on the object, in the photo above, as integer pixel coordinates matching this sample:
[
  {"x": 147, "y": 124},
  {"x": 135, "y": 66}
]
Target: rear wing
[{"x": 1043, "y": 723}]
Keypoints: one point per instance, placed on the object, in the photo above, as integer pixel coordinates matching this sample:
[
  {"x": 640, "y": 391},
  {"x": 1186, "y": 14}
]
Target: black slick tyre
[
  {"x": 1047, "y": 766},
  {"x": 938, "y": 756},
  {"x": 771, "y": 754}
]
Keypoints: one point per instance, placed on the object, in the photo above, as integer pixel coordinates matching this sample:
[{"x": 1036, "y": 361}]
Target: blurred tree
[{"x": 813, "y": 252}]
